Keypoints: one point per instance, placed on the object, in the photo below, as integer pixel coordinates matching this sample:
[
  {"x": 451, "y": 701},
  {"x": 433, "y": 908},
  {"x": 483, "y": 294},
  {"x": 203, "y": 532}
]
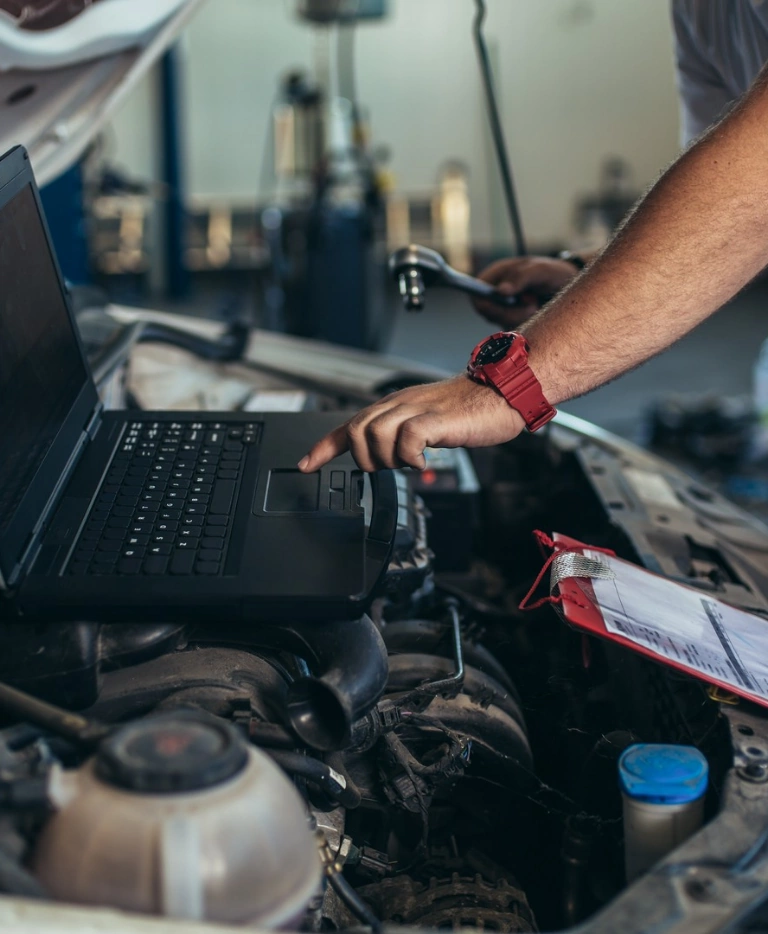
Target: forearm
[{"x": 697, "y": 238}]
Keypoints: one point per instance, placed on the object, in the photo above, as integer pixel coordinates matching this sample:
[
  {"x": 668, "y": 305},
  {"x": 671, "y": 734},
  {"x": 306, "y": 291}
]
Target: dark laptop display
[
  {"x": 41, "y": 368},
  {"x": 158, "y": 515}
]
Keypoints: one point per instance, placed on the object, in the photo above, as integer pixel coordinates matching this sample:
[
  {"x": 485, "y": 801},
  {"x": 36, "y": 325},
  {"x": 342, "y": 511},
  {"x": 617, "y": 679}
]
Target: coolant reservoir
[{"x": 177, "y": 816}]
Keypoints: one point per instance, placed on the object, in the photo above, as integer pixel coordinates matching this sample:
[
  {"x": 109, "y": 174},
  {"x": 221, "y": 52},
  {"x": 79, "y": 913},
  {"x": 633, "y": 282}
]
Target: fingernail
[{"x": 304, "y": 463}]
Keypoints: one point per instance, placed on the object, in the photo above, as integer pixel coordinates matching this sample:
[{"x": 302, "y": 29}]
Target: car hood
[{"x": 66, "y": 65}]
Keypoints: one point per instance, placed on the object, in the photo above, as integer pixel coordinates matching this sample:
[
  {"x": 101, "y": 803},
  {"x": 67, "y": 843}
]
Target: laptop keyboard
[{"x": 166, "y": 503}]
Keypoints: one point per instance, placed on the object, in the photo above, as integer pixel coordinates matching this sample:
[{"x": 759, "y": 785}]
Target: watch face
[{"x": 494, "y": 350}]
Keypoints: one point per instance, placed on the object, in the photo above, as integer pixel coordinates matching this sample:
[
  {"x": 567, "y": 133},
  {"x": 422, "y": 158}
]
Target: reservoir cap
[{"x": 663, "y": 774}]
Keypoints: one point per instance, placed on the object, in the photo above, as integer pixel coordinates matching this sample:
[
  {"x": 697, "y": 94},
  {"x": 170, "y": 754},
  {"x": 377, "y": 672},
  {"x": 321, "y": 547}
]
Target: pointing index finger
[{"x": 322, "y": 453}]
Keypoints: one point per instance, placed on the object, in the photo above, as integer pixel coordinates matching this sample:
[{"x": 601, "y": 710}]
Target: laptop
[{"x": 125, "y": 515}]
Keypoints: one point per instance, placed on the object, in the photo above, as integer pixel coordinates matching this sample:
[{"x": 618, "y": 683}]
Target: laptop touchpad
[{"x": 292, "y": 491}]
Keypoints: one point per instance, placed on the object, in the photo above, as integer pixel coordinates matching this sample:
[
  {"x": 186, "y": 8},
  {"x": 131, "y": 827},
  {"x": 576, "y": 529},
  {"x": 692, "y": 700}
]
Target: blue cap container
[
  {"x": 663, "y": 774},
  {"x": 663, "y": 789}
]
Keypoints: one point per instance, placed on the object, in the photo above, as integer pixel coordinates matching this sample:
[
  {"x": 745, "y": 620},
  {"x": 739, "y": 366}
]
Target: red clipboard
[{"x": 576, "y": 600}]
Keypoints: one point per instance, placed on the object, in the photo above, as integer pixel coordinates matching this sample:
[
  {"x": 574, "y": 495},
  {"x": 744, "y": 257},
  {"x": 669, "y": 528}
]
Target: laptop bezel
[{"x": 16, "y": 174}]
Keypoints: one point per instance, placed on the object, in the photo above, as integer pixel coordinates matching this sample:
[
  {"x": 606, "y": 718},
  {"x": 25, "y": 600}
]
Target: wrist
[{"x": 501, "y": 361}]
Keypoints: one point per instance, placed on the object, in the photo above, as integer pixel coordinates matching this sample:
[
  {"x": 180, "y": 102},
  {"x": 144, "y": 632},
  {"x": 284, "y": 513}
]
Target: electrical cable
[
  {"x": 353, "y": 901},
  {"x": 497, "y": 131},
  {"x": 332, "y": 783}
]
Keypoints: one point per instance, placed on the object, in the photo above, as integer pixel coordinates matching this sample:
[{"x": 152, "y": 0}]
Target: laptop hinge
[{"x": 33, "y": 544}]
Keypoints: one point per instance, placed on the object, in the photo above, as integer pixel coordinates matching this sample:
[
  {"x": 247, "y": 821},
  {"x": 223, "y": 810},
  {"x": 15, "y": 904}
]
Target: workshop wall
[{"x": 580, "y": 80}]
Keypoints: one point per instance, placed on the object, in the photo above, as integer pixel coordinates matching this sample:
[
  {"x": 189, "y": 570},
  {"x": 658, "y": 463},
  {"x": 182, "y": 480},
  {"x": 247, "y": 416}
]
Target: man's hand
[
  {"x": 534, "y": 280},
  {"x": 394, "y": 432}
]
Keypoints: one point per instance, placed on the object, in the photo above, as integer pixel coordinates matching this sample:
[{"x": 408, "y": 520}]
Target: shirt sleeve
[{"x": 704, "y": 97}]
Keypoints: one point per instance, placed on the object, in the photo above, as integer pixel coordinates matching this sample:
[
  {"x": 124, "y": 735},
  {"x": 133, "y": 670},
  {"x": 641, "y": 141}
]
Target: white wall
[{"x": 579, "y": 80}]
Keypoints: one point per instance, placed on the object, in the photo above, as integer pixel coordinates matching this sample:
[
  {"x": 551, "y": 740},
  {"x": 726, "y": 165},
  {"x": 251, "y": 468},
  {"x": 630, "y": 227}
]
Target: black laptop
[{"x": 158, "y": 515}]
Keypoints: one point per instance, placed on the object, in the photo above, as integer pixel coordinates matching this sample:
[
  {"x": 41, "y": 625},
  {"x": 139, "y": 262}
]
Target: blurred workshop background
[{"x": 267, "y": 167}]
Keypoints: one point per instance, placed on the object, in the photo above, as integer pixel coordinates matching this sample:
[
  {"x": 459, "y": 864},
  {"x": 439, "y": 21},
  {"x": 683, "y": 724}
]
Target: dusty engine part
[{"x": 453, "y": 903}]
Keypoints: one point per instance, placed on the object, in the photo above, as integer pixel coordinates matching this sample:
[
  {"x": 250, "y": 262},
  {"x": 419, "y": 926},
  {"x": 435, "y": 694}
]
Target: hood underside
[{"x": 66, "y": 66}]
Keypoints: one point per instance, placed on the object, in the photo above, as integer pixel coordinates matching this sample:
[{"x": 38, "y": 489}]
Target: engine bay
[{"x": 446, "y": 761}]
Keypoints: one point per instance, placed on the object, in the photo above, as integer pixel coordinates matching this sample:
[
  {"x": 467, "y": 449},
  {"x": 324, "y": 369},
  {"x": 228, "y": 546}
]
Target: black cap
[{"x": 181, "y": 751}]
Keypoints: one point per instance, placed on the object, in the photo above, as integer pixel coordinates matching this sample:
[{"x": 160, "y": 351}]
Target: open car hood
[{"x": 66, "y": 65}]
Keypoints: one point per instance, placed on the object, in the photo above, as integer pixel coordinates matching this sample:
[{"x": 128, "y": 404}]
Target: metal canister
[{"x": 663, "y": 787}]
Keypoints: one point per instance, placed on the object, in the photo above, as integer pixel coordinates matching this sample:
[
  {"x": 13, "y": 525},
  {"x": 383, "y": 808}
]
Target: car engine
[{"x": 446, "y": 761}]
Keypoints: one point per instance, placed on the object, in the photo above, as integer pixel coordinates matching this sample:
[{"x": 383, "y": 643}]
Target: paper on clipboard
[{"x": 689, "y": 628}]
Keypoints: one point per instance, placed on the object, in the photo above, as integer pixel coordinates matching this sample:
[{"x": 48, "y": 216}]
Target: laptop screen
[{"x": 41, "y": 368}]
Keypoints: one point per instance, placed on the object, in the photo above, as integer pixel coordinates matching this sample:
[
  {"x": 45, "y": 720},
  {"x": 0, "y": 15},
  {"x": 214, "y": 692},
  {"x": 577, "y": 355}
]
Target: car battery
[{"x": 450, "y": 490}]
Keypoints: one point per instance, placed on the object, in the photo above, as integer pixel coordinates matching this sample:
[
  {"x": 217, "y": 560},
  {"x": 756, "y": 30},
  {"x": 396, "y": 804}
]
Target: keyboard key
[
  {"x": 182, "y": 562},
  {"x": 119, "y": 522},
  {"x": 215, "y": 543},
  {"x": 164, "y": 538},
  {"x": 192, "y": 532},
  {"x": 187, "y": 544},
  {"x": 172, "y": 514},
  {"x": 209, "y": 461},
  {"x": 111, "y": 544},
  {"x": 127, "y": 500},
  {"x": 215, "y": 531},
  {"x": 122, "y": 512},
  {"x": 156, "y": 564},
  {"x": 204, "y": 488},
  {"x": 164, "y": 526},
  {"x": 148, "y": 508},
  {"x": 184, "y": 465},
  {"x": 178, "y": 485},
  {"x": 208, "y": 555},
  {"x": 182, "y": 475},
  {"x": 233, "y": 446},
  {"x": 227, "y": 475},
  {"x": 162, "y": 549},
  {"x": 198, "y": 500},
  {"x": 235, "y": 434},
  {"x": 96, "y": 525},
  {"x": 112, "y": 535},
  {"x": 153, "y": 497},
  {"x": 223, "y": 494},
  {"x": 206, "y": 470},
  {"x": 100, "y": 512},
  {"x": 140, "y": 540},
  {"x": 134, "y": 552},
  {"x": 102, "y": 567},
  {"x": 231, "y": 457},
  {"x": 105, "y": 497},
  {"x": 218, "y": 520},
  {"x": 196, "y": 510},
  {"x": 214, "y": 438},
  {"x": 207, "y": 567},
  {"x": 129, "y": 566},
  {"x": 93, "y": 536}
]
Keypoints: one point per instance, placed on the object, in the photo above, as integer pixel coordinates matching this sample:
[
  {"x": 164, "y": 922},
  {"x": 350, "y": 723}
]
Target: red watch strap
[
  {"x": 522, "y": 390},
  {"x": 515, "y": 380}
]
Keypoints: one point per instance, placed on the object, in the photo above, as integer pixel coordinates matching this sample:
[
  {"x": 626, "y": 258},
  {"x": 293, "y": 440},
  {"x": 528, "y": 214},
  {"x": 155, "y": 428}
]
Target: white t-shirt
[{"x": 721, "y": 45}]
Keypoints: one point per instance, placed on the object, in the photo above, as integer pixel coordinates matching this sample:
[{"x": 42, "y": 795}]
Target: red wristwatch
[{"x": 501, "y": 361}]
